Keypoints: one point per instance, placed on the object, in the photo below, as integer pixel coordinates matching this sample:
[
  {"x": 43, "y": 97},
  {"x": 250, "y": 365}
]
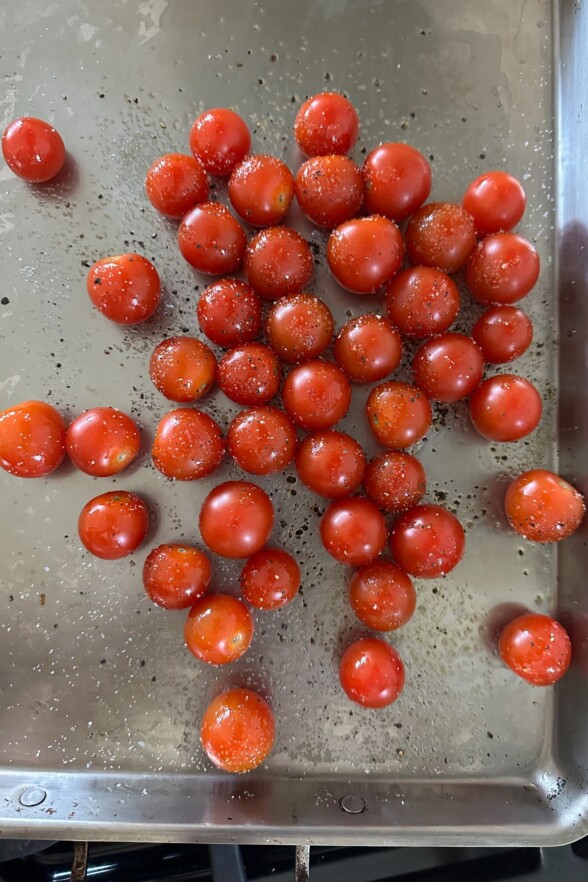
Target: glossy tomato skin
[
  {"x": 330, "y": 463},
  {"x": 353, "y": 531},
  {"x": 238, "y": 730},
  {"x": 218, "y": 629},
  {"x": 220, "y": 139},
  {"x": 496, "y": 201},
  {"x": 503, "y": 333},
  {"x": 33, "y": 149},
  {"x": 270, "y": 579},
  {"x": 427, "y": 541},
  {"x": 395, "y": 481},
  {"x": 229, "y": 313},
  {"x": 278, "y": 262},
  {"x": 448, "y": 368},
  {"x": 236, "y": 519},
  {"x": 299, "y": 327},
  {"x": 329, "y": 190},
  {"x": 368, "y": 348},
  {"x": 441, "y": 235},
  {"x": 371, "y": 672},
  {"x": 398, "y": 414},
  {"x": 397, "y": 180},
  {"x": 182, "y": 368},
  {"x": 211, "y": 240},
  {"x": 113, "y": 524},
  {"x": 537, "y": 648},
  {"x": 175, "y": 183},
  {"x": 249, "y": 374},
  {"x": 505, "y": 408},
  {"x": 382, "y": 596},
  {"x": 188, "y": 444},
  {"x": 125, "y": 288},
  {"x": 543, "y": 507},
  {"x": 176, "y": 575},
  {"x": 366, "y": 253},
  {"x": 326, "y": 124},
  {"x": 102, "y": 441},
  {"x": 261, "y": 189},
  {"x": 32, "y": 439},
  {"x": 422, "y": 301},
  {"x": 503, "y": 269},
  {"x": 262, "y": 440},
  {"x": 316, "y": 394}
]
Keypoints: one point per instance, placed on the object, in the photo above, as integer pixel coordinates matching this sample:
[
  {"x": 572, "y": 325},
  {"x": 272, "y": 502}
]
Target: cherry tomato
[
  {"x": 238, "y": 730},
  {"x": 229, "y": 312},
  {"x": 502, "y": 269},
  {"x": 427, "y": 541},
  {"x": 211, "y": 240},
  {"x": 397, "y": 180},
  {"x": 270, "y": 579},
  {"x": 182, "y": 368},
  {"x": 236, "y": 519},
  {"x": 316, "y": 394},
  {"x": 448, "y": 368},
  {"x": 32, "y": 439},
  {"x": 278, "y": 262},
  {"x": 505, "y": 408},
  {"x": 175, "y": 576},
  {"x": 102, "y": 441},
  {"x": 382, "y": 596},
  {"x": 367, "y": 348},
  {"x": 188, "y": 444},
  {"x": 113, "y": 524},
  {"x": 398, "y": 414},
  {"x": 365, "y": 253},
  {"x": 33, "y": 149},
  {"x": 249, "y": 374},
  {"x": 261, "y": 189},
  {"x": 218, "y": 629},
  {"x": 330, "y": 463},
  {"x": 353, "y": 531},
  {"x": 371, "y": 672},
  {"x": 175, "y": 183},
  {"x": 503, "y": 333},
  {"x": 496, "y": 201},
  {"x": 422, "y": 301},
  {"x": 543, "y": 507},
  {"x": 329, "y": 190},
  {"x": 441, "y": 235},
  {"x": 395, "y": 481},
  {"x": 220, "y": 139},
  {"x": 537, "y": 648},
  {"x": 299, "y": 327},
  {"x": 262, "y": 440},
  {"x": 125, "y": 288},
  {"x": 326, "y": 124}
]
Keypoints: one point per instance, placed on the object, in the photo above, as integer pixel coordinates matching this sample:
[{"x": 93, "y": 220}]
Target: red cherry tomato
[
  {"x": 229, "y": 313},
  {"x": 113, "y": 524},
  {"x": 102, "y": 441},
  {"x": 382, "y": 596},
  {"x": 398, "y": 414},
  {"x": 326, "y": 124},
  {"x": 496, "y": 201},
  {"x": 367, "y": 348},
  {"x": 220, "y": 139},
  {"x": 270, "y": 579},
  {"x": 353, "y": 531},
  {"x": 395, "y": 481},
  {"x": 175, "y": 183},
  {"x": 329, "y": 190},
  {"x": 503, "y": 333},
  {"x": 188, "y": 444},
  {"x": 365, "y": 253},
  {"x": 299, "y": 327},
  {"x": 175, "y": 576},
  {"x": 249, "y": 374},
  {"x": 33, "y": 149},
  {"x": 448, "y": 368},
  {"x": 316, "y": 394},
  {"x": 211, "y": 240},
  {"x": 441, "y": 235},
  {"x": 505, "y": 408},
  {"x": 125, "y": 288},
  {"x": 371, "y": 672},
  {"x": 262, "y": 440},
  {"x": 261, "y": 189},
  {"x": 543, "y": 507},
  {"x": 397, "y": 180},
  {"x": 32, "y": 439},
  {"x": 502, "y": 269},
  {"x": 330, "y": 463},
  {"x": 182, "y": 368},
  {"x": 427, "y": 541},
  {"x": 422, "y": 301},
  {"x": 537, "y": 648},
  {"x": 236, "y": 519},
  {"x": 218, "y": 629},
  {"x": 237, "y": 730},
  {"x": 278, "y": 262}
]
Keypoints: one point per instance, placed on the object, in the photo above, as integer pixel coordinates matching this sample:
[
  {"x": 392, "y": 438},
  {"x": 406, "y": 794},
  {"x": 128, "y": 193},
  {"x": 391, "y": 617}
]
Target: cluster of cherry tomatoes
[{"x": 366, "y": 252}]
